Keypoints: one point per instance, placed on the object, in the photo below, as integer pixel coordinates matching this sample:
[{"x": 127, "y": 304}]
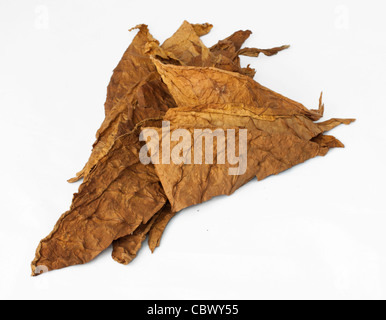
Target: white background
[{"x": 316, "y": 231}]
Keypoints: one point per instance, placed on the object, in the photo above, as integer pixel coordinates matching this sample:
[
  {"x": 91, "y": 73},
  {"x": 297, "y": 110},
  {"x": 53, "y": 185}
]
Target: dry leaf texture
[
  {"x": 121, "y": 200},
  {"x": 120, "y": 195}
]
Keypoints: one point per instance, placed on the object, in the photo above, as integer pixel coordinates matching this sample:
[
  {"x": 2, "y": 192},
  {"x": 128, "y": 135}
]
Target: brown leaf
[
  {"x": 231, "y": 45},
  {"x": 136, "y": 76},
  {"x": 121, "y": 200},
  {"x": 228, "y": 53},
  {"x": 120, "y": 195},
  {"x": 150, "y": 98},
  {"x": 254, "y": 52},
  {"x": 202, "y": 29},
  {"x": 333, "y": 123},
  {"x": 159, "y": 227},
  {"x": 134, "y": 80},
  {"x": 187, "y": 46},
  {"x": 126, "y": 248},
  {"x": 136, "y": 92},
  {"x": 281, "y": 132},
  {"x": 124, "y": 80},
  {"x": 191, "y": 87}
]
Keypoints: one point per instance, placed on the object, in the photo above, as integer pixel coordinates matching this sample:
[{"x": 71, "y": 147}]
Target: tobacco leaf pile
[{"x": 122, "y": 201}]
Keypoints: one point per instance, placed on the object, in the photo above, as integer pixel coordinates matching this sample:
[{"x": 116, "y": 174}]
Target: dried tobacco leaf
[
  {"x": 126, "y": 249},
  {"x": 120, "y": 195},
  {"x": 228, "y": 53},
  {"x": 267, "y": 154},
  {"x": 128, "y": 99},
  {"x": 187, "y": 46},
  {"x": 136, "y": 92},
  {"x": 133, "y": 68},
  {"x": 183, "y": 48},
  {"x": 190, "y": 86},
  {"x": 136, "y": 78},
  {"x": 281, "y": 132},
  {"x": 254, "y": 52},
  {"x": 231, "y": 45},
  {"x": 159, "y": 227}
]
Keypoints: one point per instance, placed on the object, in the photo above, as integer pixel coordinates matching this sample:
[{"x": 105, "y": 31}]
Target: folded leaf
[
  {"x": 187, "y": 46},
  {"x": 159, "y": 227},
  {"x": 136, "y": 92},
  {"x": 132, "y": 69},
  {"x": 120, "y": 195},
  {"x": 126, "y": 84},
  {"x": 254, "y": 52},
  {"x": 192, "y": 87},
  {"x": 281, "y": 132},
  {"x": 126, "y": 248},
  {"x": 228, "y": 53},
  {"x": 203, "y": 94},
  {"x": 184, "y": 47}
]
